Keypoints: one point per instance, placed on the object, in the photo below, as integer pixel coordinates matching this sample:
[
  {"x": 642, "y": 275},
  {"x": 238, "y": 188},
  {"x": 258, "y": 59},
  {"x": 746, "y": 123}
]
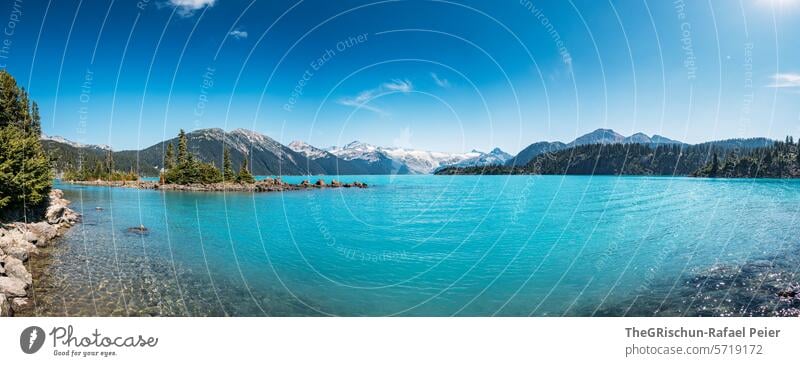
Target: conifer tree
[
  {"x": 244, "y": 174},
  {"x": 25, "y": 173},
  {"x": 169, "y": 157},
  {"x": 227, "y": 167},
  {"x": 714, "y": 165}
]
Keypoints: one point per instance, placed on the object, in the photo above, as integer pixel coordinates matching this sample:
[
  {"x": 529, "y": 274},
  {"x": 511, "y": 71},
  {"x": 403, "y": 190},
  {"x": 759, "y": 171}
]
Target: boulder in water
[{"x": 139, "y": 230}]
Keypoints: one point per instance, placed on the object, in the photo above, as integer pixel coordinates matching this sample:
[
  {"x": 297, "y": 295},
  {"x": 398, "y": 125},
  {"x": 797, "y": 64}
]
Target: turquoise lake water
[{"x": 431, "y": 246}]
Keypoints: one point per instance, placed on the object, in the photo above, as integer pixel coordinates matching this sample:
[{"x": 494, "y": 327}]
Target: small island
[{"x": 183, "y": 172}]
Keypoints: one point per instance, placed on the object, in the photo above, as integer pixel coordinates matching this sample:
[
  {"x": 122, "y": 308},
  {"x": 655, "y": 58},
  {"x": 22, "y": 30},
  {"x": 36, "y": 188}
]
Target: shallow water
[{"x": 431, "y": 246}]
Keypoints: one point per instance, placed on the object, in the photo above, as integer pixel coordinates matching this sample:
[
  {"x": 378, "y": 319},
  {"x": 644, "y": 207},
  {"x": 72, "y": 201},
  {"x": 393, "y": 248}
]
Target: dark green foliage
[
  {"x": 25, "y": 174},
  {"x": 780, "y": 160},
  {"x": 714, "y": 169},
  {"x": 69, "y": 159},
  {"x": 187, "y": 170},
  {"x": 227, "y": 167},
  {"x": 208, "y": 145},
  {"x": 244, "y": 174},
  {"x": 98, "y": 171},
  {"x": 208, "y": 173},
  {"x": 169, "y": 157},
  {"x": 610, "y": 159},
  {"x": 743, "y": 159}
]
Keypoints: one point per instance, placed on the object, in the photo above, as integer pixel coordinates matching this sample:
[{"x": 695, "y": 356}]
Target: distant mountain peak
[
  {"x": 638, "y": 138},
  {"x": 63, "y": 140},
  {"x": 307, "y": 150},
  {"x": 599, "y": 136}
]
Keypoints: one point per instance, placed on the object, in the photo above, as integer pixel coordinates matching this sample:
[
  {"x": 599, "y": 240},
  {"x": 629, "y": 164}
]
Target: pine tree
[
  {"x": 186, "y": 171},
  {"x": 169, "y": 158},
  {"x": 184, "y": 158},
  {"x": 25, "y": 172},
  {"x": 10, "y": 104},
  {"x": 227, "y": 167},
  {"x": 244, "y": 174},
  {"x": 714, "y": 165},
  {"x": 109, "y": 162},
  {"x": 36, "y": 120}
]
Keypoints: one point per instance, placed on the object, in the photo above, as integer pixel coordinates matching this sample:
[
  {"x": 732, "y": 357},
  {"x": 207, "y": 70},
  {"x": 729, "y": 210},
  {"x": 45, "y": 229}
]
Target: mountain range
[
  {"x": 269, "y": 157},
  {"x": 599, "y": 136}
]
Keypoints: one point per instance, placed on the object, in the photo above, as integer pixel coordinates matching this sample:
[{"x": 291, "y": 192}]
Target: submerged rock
[
  {"x": 788, "y": 294},
  {"x": 139, "y": 230}
]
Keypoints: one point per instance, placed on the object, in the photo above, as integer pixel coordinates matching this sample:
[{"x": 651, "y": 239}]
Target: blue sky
[{"x": 438, "y": 75}]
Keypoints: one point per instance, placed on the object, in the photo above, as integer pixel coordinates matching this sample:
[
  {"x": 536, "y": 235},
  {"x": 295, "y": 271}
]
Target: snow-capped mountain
[
  {"x": 62, "y": 140},
  {"x": 416, "y": 161},
  {"x": 494, "y": 157},
  {"x": 358, "y": 150},
  {"x": 307, "y": 150},
  {"x": 426, "y": 162}
]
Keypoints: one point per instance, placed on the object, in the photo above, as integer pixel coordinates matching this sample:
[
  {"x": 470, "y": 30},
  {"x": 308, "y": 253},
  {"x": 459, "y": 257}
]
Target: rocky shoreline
[
  {"x": 266, "y": 185},
  {"x": 19, "y": 241}
]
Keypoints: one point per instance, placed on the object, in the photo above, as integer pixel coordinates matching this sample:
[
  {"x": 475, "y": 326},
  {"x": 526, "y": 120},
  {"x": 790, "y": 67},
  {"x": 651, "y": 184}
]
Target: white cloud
[
  {"x": 361, "y": 100},
  {"x": 789, "y": 80},
  {"x": 238, "y": 34},
  {"x": 403, "y": 86},
  {"x": 441, "y": 82},
  {"x": 186, "y": 8}
]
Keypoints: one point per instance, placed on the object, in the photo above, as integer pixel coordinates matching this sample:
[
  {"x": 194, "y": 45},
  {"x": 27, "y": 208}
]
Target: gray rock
[
  {"x": 6, "y": 242},
  {"x": 44, "y": 232},
  {"x": 31, "y": 237},
  {"x": 12, "y": 287},
  {"x": 21, "y": 250},
  {"x": 54, "y": 213},
  {"x": 5, "y": 306},
  {"x": 14, "y": 268}
]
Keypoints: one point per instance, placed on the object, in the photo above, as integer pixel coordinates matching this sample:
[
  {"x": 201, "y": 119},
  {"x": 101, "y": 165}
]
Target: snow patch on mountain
[
  {"x": 417, "y": 161},
  {"x": 494, "y": 157},
  {"x": 307, "y": 150},
  {"x": 62, "y": 140},
  {"x": 358, "y": 150}
]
